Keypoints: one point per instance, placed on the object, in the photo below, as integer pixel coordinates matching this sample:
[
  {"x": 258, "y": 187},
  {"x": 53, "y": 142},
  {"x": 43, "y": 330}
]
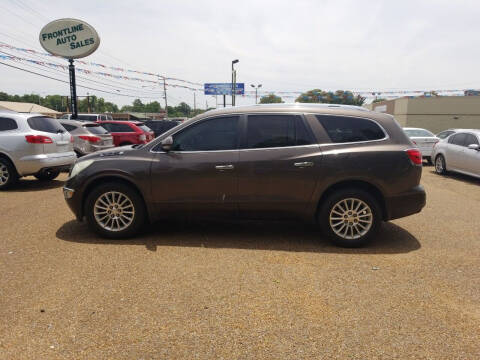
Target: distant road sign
[{"x": 223, "y": 89}]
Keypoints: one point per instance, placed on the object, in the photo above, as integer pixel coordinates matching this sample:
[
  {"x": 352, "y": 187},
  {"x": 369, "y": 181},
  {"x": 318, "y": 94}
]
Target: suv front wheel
[
  {"x": 115, "y": 210},
  {"x": 350, "y": 217}
]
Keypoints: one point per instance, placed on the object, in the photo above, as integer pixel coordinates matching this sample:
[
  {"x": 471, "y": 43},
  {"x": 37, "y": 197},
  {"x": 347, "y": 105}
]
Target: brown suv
[{"x": 344, "y": 167}]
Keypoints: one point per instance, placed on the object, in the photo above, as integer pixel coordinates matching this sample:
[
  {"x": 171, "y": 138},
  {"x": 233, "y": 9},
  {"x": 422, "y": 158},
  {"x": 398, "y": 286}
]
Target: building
[
  {"x": 435, "y": 113},
  {"x": 22, "y": 107}
]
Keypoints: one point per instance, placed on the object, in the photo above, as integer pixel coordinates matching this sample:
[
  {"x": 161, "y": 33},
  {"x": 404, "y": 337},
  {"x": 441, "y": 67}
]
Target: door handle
[
  {"x": 224, "y": 167},
  {"x": 303, "y": 164}
]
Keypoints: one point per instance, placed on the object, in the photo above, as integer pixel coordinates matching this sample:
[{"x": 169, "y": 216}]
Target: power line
[{"x": 66, "y": 82}]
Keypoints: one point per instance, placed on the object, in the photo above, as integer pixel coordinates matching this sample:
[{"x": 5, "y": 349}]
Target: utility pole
[
  {"x": 194, "y": 101},
  {"x": 165, "y": 96},
  {"x": 234, "y": 79},
  {"x": 88, "y": 103},
  {"x": 256, "y": 89}
]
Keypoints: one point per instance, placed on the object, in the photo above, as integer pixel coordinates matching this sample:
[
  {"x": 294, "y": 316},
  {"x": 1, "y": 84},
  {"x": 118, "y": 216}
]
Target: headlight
[{"x": 80, "y": 166}]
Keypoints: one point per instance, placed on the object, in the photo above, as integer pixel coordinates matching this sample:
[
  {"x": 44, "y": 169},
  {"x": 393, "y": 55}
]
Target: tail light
[
  {"x": 38, "y": 139},
  {"x": 90, "y": 138},
  {"x": 415, "y": 156},
  {"x": 142, "y": 137},
  {"x": 414, "y": 142},
  {"x": 71, "y": 139}
]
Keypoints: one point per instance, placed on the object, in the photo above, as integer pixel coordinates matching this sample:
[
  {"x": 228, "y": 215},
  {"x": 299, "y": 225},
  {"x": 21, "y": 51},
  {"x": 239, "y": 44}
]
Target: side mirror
[
  {"x": 167, "y": 144},
  {"x": 474, "y": 147}
]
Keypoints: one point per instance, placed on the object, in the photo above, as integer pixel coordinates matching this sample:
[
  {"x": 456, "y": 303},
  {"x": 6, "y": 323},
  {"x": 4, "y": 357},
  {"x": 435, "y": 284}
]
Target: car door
[
  {"x": 472, "y": 156},
  {"x": 198, "y": 175},
  {"x": 455, "y": 151},
  {"x": 276, "y": 166}
]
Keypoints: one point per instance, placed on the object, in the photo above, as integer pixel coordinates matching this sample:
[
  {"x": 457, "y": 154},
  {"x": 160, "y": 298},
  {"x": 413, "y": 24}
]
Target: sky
[{"x": 284, "y": 45}]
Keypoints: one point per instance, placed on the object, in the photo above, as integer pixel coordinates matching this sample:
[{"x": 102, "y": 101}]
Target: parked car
[
  {"x": 160, "y": 126},
  {"x": 32, "y": 144},
  {"x": 87, "y": 136},
  {"x": 459, "y": 153},
  {"x": 424, "y": 140},
  {"x": 446, "y": 133},
  {"x": 344, "y": 167},
  {"x": 128, "y": 132},
  {"x": 88, "y": 117}
]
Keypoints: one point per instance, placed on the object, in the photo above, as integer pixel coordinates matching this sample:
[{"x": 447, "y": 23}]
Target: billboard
[{"x": 223, "y": 88}]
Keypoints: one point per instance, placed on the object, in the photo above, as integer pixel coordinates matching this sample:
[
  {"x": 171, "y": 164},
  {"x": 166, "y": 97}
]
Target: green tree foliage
[
  {"x": 270, "y": 99},
  {"x": 378, "y": 100},
  {"x": 337, "y": 97}
]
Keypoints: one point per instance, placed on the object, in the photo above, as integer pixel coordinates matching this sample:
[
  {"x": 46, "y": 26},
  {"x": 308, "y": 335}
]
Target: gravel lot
[{"x": 240, "y": 290}]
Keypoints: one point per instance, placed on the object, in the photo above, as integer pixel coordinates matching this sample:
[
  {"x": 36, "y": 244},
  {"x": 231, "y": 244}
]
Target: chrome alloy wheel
[
  {"x": 351, "y": 218},
  {"x": 4, "y": 174},
  {"x": 439, "y": 165},
  {"x": 114, "y": 211}
]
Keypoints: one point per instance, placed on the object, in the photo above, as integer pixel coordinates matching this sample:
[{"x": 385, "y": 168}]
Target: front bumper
[{"x": 406, "y": 204}]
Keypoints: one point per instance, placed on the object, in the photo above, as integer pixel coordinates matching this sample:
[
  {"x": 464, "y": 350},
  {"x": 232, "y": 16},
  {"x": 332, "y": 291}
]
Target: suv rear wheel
[
  {"x": 47, "y": 175},
  {"x": 350, "y": 217},
  {"x": 115, "y": 210},
  {"x": 8, "y": 175}
]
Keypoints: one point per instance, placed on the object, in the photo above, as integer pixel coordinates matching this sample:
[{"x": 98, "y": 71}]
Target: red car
[{"x": 128, "y": 132}]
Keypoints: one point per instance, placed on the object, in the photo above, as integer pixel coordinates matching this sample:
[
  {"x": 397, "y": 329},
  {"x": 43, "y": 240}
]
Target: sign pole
[{"x": 73, "y": 89}]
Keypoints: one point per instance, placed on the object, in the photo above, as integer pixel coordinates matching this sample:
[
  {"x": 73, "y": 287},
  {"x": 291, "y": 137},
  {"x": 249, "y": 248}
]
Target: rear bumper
[
  {"x": 32, "y": 164},
  {"x": 406, "y": 204}
]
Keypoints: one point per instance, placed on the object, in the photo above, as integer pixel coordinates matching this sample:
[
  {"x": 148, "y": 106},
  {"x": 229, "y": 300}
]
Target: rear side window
[
  {"x": 69, "y": 127},
  {"x": 343, "y": 129},
  {"x": 471, "y": 139},
  {"x": 7, "y": 124},
  {"x": 96, "y": 129},
  {"x": 457, "y": 139},
  {"x": 265, "y": 131},
  {"x": 118, "y": 127},
  {"x": 445, "y": 134},
  {"x": 45, "y": 124}
]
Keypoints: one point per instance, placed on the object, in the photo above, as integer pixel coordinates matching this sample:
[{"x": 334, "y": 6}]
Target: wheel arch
[
  {"x": 111, "y": 178},
  {"x": 9, "y": 159},
  {"x": 359, "y": 184}
]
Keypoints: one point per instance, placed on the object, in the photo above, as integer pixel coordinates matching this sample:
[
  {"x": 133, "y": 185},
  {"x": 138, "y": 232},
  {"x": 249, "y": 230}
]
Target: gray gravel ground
[{"x": 240, "y": 290}]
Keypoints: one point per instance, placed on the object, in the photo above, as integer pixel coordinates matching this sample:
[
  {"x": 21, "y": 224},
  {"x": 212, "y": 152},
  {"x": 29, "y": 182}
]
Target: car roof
[
  {"x": 292, "y": 107},
  {"x": 474, "y": 131}
]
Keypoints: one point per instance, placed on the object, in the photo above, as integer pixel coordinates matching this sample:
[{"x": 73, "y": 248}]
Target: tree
[
  {"x": 337, "y": 97},
  {"x": 378, "y": 100},
  {"x": 270, "y": 99}
]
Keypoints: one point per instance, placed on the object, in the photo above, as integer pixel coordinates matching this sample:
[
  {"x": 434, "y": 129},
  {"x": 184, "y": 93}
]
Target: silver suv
[{"x": 32, "y": 144}]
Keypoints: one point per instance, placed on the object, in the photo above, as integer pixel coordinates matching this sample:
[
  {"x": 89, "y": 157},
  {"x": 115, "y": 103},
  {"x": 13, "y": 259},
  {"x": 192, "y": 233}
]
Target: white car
[
  {"x": 460, "y": 153},
  {"x": 32, "y": 144},
  {"x": 424, "y": 140}
]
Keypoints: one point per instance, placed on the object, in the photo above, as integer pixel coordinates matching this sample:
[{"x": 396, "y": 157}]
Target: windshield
[
  {"x": 96, "y": 129},
  {"x": 145, "y": 128},
  {"x": 87, "y": 117},
  {"x": 45, "y": 124},
  {"x": 418, "y": 133}
]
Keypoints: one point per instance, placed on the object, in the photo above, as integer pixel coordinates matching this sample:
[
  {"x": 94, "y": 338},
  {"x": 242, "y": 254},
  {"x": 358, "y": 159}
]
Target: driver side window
[{"x": 220, "y": 133}]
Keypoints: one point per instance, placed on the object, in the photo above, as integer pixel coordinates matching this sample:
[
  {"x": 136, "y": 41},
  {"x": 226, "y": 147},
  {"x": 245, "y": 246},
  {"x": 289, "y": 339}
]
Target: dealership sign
[
  {"x": 69, "y": 38},
  {"x": 223, "y": 89}
]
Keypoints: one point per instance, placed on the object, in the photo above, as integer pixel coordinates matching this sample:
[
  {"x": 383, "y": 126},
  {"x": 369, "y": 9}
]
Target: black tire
[
  {"x": 440, "y": 165},
  {"x": 372, "y": 212},
  {"x": 8, "y": 174},
  {"x": 47, "y": 175},
  {"x": 139, "y": 212},
  {"x": 429, "y": 161},
  {"x": 125, "y": 143}
]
